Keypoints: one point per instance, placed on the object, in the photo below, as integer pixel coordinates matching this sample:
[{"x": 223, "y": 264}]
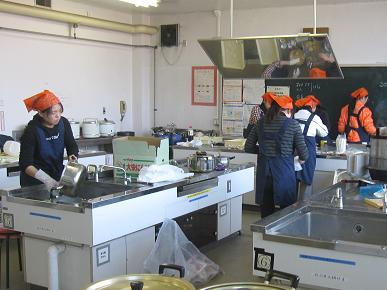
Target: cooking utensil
[
  {"x": 107, "y": 128},
  {"x": 73, "y": 175},
  {"x": 145, "y": 281},
  {"x": 201, "y": 163},
  {"x": 357, "y": 163},
  {"x": 90, "y": 128},
  {"x": 224, "y": 160},
  {"x": 259, "y": 286}
]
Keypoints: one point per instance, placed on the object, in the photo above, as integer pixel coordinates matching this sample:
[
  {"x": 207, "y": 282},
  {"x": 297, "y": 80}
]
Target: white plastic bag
[
  {"x": 341, "y": 143},
  {"x": 164, "y": 172},
  {"x": 173, "y": 247},
  {"x": 11, "y": 148}
]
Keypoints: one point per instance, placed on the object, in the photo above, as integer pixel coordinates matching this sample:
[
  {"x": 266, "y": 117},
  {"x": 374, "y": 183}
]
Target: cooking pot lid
[
  {"x": 150, "y": 281},
  {"x": 73, "y": 122},
  {"x": 90, "y": 121},
  {"x": 243, "y": 285}
]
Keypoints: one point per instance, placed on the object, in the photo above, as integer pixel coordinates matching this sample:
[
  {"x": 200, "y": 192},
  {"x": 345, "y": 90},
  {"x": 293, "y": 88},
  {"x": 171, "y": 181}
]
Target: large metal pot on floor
[
  {"x": 378, "y": 155},
  {"x": 259, "y": 286},
  {"x": 146, "y": 281}
]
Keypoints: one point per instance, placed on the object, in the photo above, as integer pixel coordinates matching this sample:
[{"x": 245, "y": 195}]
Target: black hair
[
  {"x": 273, "y": 111},
  {"x": 49, "y": 110}
]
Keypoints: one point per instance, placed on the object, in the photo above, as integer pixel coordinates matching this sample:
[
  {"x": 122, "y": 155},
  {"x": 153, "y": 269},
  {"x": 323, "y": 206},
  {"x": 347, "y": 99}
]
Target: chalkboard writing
[{"x": 334, "y": 94}]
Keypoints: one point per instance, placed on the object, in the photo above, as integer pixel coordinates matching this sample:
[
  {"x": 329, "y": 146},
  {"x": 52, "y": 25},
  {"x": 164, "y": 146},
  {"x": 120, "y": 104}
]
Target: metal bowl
[{"x": 73, "y": 175}]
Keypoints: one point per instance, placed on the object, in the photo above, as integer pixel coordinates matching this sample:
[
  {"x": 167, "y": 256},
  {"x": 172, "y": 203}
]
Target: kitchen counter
[
  {"x": 111, "y": 231},
  {"x": 329, "y": 241}
]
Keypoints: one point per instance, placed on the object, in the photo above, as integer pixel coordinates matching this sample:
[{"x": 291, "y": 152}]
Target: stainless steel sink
[
  {"x": 331, "y": 228},
  {"x": 329, "y": 224},
  {"x": 92, "y": 189}
]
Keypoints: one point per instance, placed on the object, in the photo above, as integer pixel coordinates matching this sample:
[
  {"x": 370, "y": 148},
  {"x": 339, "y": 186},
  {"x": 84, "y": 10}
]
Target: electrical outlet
[{"x": 103, "y": 110}]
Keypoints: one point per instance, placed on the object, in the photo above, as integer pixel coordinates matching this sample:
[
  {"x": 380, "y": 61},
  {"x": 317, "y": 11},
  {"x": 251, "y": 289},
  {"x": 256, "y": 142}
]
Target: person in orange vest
[{"x": 356, "y": 118}]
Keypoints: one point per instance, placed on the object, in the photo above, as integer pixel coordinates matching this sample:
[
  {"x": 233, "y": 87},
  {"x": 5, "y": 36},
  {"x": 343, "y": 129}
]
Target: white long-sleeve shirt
[{"x": 316, "y": 128}]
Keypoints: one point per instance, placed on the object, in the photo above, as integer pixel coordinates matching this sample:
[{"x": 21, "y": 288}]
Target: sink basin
[
  {"x": 92, "y": 189},
  {"x": 335, "y": 225}
]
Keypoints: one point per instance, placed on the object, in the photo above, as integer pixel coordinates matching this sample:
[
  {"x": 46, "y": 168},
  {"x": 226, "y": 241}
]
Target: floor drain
[{"x": 358, "y": 228}]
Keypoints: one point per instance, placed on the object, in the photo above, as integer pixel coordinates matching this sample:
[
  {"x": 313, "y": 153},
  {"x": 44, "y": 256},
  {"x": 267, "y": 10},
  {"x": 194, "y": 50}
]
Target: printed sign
[{"x": 263, "y": 261}]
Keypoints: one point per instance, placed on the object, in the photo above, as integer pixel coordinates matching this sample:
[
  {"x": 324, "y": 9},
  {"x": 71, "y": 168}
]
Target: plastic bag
[
  {"x": 341, "y": 143},
  {"x": 164, "y": 172},
  {"x": 173, "y": 247}
]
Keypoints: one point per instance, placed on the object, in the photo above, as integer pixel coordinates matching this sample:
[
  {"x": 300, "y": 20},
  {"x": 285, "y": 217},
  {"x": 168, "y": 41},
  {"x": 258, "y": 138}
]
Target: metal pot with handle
[
  {"x": 260, "y": 286},
  {"x": 146, "y": 281},
  {"x": 201, "y": 162},
  {"x": 224, "y": 160},
  {"x": 73, "y": 175}
]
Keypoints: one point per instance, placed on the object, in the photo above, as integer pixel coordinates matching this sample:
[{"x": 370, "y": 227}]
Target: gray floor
[{"x": 233, "y": 255}]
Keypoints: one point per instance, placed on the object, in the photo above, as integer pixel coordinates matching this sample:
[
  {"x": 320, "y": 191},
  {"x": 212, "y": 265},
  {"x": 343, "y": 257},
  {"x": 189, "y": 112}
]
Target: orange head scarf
[
  {"x": 307, "y": 101},
  {"x": 285, "y": 102},
  {"x": 268, "y": 97},
  {"x": 360, "y": 93},
  {"x": 41, "y": 101},
  {"x": 316, "y": 73}
]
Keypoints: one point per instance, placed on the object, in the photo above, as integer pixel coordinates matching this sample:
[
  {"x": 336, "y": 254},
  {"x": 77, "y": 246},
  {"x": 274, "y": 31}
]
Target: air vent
[{"x": 44, "y": 3}]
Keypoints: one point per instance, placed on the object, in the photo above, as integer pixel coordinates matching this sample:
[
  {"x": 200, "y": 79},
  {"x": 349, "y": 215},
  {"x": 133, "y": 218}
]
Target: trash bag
[{"x": 173, "y": 247}]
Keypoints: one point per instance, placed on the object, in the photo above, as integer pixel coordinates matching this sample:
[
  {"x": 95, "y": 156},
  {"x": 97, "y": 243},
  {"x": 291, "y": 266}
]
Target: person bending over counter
[
  {"x": 311, "y": 126},
  {"x": 277, "y": 135},
  {"x": 44, "y": 140},
  {"x": 356, "y": 119}
]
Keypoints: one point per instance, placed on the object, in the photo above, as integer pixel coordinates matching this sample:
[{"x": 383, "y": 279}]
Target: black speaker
[{"x": 169, "y": 35}]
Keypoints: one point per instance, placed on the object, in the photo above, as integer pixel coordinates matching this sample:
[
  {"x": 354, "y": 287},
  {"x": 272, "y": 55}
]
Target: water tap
[
  {"x": 126, "y": 178},
  {"x": 337, "y": 198}
]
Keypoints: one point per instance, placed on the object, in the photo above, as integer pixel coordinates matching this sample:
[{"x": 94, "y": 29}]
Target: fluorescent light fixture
[{"x": 143, "y": 3}]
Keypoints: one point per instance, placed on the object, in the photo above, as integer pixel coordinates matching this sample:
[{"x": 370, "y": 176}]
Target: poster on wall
[
  {"x": 253, "y": 91},
  {"x": 278, "y": 90},
  {"x": 232, "y": 91},
  {"x": 204, "y": 85}
]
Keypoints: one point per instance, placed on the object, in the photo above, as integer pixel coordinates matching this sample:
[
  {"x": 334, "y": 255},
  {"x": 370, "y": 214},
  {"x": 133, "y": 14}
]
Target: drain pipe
[
  {"x": 53, "y": 271},
  {"x": 315, "y": 16},
  {"x": 32, "y": 11}
]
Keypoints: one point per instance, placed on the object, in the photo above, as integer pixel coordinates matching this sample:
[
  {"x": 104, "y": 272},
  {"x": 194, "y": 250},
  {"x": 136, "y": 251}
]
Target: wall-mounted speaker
[{"x": 169, "y": 35}]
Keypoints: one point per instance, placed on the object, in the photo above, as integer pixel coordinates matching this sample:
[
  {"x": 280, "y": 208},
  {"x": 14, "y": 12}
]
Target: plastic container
[{"x": 369, "y": 190}]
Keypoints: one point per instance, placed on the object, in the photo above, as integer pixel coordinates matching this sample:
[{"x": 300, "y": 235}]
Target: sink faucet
[
  {"x": 92, "y": 171},
  {"x": 126, "y": 178},
  {"x": 337, "y": 198}
]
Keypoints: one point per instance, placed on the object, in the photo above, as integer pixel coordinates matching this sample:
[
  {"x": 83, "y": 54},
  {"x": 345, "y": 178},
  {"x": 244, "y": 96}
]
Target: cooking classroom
[{"x": 193, "y": 144}]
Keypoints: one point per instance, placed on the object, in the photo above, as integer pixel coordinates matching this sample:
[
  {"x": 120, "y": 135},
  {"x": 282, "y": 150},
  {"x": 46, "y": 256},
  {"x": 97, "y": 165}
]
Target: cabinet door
[
  {"x": 236, "y": 214},
  {"x": 224, "y": 218},
  {"x": 237, "y": 183}
]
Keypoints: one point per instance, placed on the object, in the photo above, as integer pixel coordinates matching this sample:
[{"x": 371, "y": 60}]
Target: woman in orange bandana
[
  {"x": 44, "y": 140},
  {"x": 277, "y": 134},
  {"x": 356, "y": 118}
]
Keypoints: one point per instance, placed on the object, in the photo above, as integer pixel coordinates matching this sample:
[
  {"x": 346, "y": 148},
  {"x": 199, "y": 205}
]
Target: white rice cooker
[
  {"x": 107, "y": 128},
  {"x": 75, "y": 127},
  {"x": 90, "y": 128}
]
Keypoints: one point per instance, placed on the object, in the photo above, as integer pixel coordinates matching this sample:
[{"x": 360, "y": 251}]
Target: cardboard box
[{"x": 132, "y": 153}]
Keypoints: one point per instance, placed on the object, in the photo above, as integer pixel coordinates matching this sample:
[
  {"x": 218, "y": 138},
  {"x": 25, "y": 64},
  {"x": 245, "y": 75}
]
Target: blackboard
[{"x": 334, "y": 94}]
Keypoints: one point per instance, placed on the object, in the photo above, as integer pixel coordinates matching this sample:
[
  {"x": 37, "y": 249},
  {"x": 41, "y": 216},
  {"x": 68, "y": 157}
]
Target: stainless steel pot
[
  {"x": 107, "y": 128},
  {"x": 145, "y": 281},
  {"x": 224, "y": 160},
  {"x": 201, "y": 162},
  {"x": 90, "y": 128},
  {"x": 73, "y": 175},
  {"x": 378, "y": 155},
  {"x": 259, "y": 286},
  {"x": 357, "y": 163}
]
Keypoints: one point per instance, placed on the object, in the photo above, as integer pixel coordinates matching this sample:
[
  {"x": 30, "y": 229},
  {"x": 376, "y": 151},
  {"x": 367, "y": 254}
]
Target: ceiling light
[{"x": 143, "y": 3}]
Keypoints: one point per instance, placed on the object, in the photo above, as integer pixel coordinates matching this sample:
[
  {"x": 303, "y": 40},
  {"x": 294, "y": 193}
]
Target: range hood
[{"x": 300, "y": 56}]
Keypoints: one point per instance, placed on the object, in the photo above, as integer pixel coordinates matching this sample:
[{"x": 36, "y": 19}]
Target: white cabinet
[
  {"x": 8, "y": 182},
  {"x": 229, "y": 217}
]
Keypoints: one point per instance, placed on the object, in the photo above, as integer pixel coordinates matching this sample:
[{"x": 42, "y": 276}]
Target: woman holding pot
[
  {"x": 44, "y": 140},
  {"x": 277, "y": 135}
]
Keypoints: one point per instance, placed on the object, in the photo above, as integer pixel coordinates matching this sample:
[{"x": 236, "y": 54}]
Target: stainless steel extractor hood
[{"x": 274, "y": 57}]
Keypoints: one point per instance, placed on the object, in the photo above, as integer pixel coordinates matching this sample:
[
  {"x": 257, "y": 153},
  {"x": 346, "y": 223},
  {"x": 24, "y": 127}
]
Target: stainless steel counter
[{"x": 107, "y": 191}]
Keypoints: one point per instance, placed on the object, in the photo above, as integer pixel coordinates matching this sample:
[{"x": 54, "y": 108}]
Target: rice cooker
[
  {"x": 90, "y": 128},
  {"x": 107, "y": 128},
  {"x": 75, "y": 128}
]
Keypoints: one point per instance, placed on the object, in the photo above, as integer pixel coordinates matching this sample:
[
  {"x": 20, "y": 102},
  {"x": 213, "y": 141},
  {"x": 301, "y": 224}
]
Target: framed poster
[
  {"x": 204, "y": 85},
  {"x": 232, "y": 90}
]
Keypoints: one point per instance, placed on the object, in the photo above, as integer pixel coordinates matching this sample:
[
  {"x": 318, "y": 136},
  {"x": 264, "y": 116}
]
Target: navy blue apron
[
  {"x": 280, "y": 167},
  {"x": 363, "y": 135},
  {"x": 306, "y": 174},
  {"x": 49, "y": 157}
]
